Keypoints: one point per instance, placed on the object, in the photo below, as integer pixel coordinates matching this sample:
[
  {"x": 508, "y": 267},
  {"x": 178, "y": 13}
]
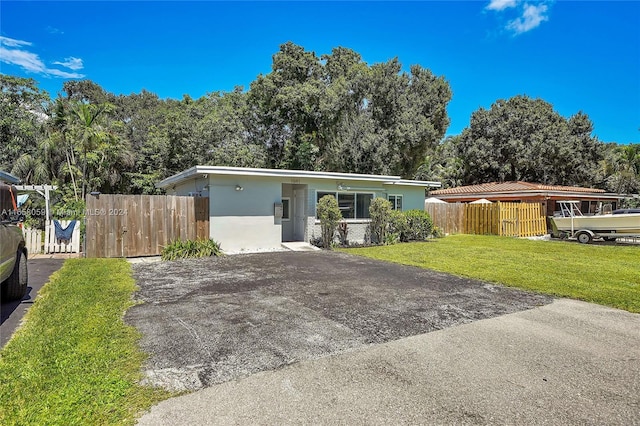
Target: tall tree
[
  {"x": 337, "y": 113},
  {"x": 22, "y": 115},
  {"x": 525, "y": 139}
]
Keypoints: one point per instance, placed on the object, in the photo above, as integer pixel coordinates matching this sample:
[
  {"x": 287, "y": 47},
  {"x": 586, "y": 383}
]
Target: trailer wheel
[{"x": 584, "y": 238}]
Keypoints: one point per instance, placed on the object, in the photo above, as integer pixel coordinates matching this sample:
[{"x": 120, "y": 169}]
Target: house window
[
  {"x": 353, "y": 205},
  {"x": 396, "y": 202},
  {"x": 346, "y": 202},
  {"x": 285, "y": 208},
  {"x": 363, "y": 202}
]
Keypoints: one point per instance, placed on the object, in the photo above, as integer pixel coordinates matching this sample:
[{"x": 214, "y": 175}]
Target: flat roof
[{"x": 291, "y": 174}]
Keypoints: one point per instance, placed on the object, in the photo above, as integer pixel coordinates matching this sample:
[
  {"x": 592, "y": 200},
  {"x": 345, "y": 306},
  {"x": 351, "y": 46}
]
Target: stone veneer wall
[{"x": 357, "y": 232}]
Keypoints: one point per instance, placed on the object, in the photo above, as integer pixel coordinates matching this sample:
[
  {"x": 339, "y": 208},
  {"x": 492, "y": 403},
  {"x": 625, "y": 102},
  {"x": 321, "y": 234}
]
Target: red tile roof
[{"x": 495, "y": 187}]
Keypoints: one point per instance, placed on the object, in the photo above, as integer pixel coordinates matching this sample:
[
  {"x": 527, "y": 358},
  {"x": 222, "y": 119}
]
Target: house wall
[
  {"x": 240, "y": 220},
  {"x": 358, "y": 229},
  {"x": 245, "y": 220}
]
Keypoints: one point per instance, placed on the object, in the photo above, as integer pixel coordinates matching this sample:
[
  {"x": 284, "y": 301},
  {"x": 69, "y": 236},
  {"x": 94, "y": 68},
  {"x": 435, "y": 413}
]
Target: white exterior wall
[{"x": 245, "y": 220}]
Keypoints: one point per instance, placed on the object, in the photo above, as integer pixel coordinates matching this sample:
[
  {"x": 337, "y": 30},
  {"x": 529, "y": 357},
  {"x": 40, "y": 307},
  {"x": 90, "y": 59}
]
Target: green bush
[
  {"x": 191, "y": 248},
  {"x": 380, "y": 212},
  {"x": 398, "y": 226},
  {"x": 329, "y": 215},
  {"x": 419, "y": 225}
]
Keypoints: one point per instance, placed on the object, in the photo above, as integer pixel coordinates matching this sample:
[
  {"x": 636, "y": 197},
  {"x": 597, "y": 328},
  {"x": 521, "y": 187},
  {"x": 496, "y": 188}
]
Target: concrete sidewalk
[{"x": 566, "y": 363}]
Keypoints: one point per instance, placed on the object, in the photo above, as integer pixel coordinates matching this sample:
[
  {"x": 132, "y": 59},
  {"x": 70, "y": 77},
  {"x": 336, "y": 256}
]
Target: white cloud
[
  {"x": 12, "y": 52},
  {"x": 54, "y": 30},
  {"x": 531, "y": 18},
  {"x": 501, "y": 4},
  {"x": 6, "y": 41},
  {"x": 71, "y": 63}
]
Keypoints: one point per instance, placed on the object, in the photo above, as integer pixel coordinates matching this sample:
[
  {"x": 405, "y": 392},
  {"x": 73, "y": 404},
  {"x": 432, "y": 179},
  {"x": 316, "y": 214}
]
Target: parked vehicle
[
  {"x": 570, "y": 222},
  {"x": 13, "y": 252}
]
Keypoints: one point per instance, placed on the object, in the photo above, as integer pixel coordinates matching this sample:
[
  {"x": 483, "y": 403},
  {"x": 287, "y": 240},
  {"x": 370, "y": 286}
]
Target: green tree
[
  {"x": 620, "y": 169},
  {"x": 337, "y": 113},
  {"x": 22, "y": 116},
  {"x": 526, "y": 139}
]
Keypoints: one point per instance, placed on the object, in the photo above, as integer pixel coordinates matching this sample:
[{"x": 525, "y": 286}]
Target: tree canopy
[{"x": 332, "y": 112}]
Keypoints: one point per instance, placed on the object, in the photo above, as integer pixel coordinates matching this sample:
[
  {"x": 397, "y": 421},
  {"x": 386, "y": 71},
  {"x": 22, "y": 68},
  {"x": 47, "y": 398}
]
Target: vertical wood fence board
[
  {"x": 151, "y": 222},
  {"x": 33, "y": 240},
  {"x": 202, "y": 217}
]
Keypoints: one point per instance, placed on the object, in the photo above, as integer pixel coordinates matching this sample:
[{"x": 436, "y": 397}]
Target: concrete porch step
[{"x": 299, "y": 246}]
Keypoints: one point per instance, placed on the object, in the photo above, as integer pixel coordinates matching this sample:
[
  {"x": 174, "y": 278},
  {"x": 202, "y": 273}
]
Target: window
[
  {"x": 353, "y": 205},
  {"x": 362, "y": 205},
  {"x": 396, "y": 202},
  {"x": 285, "y": 209},
  {"x": 346, "y": 202}
]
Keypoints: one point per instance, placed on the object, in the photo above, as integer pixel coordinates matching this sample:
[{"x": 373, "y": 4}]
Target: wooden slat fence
[
  {"x": 33, "y": 240},
  {"x": 506, "y": 219},
  {"x": 530, "y": 219},
  {"x": 448, "y": 217},
  {"x": 481, "y": 219},
  {"x": 142, "y": 225}
]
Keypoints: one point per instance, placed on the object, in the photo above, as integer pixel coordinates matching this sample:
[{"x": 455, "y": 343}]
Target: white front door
[{"x": 299, "y": 213}]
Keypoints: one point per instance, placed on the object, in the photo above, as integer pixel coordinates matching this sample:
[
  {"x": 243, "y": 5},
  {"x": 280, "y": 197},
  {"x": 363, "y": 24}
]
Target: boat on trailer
[{"x": 570, "y": 222}]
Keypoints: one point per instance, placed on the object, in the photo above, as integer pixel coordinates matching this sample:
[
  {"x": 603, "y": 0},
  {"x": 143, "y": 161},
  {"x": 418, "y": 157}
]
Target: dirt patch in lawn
[{"x": 207, "y": 321}]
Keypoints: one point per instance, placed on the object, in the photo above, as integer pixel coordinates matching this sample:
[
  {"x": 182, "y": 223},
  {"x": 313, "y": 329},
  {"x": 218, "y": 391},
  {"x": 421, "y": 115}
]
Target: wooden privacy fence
[
  {"x": 522, "y": 219},
  {"x": 507, "y": 219},
  {"x": 142, "y": 225},
  {"x": 448, "y": 217}
]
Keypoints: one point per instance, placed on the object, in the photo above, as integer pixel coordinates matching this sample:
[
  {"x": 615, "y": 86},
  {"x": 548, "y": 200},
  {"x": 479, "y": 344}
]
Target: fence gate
[
  {"x": 53, "y": 244},
  {"x": 141, "y": 225},
  {"x": 507, "y": 219}
]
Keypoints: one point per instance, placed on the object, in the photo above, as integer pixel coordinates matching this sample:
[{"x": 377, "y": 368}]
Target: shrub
[
  {"x": 329, "y": 215},
  {"x": 419, "y": 225},
  {"x": 380, "y": 212},
  {"x": 343, "y": 232},
  {"x": 398, "y": 226},
  {"x": 191, "y": 248},
  {"x": 437, "y": 232}
]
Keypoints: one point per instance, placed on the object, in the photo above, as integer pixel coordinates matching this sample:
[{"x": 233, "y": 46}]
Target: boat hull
[{"x": 618, "y": 224}]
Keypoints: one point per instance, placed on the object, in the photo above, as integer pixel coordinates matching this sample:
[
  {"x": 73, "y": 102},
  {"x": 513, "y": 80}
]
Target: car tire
[{"x": 16, "y": 286}]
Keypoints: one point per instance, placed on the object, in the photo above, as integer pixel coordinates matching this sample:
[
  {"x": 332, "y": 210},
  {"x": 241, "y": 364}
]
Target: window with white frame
[
  {"x": 396, "y": 202},
  {"x": 353, "y": 205}
]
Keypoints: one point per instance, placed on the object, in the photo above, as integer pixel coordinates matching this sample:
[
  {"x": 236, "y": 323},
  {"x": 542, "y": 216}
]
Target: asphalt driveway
[
  {"x": 209, "y": 321},
  {"x": 12, "y": 313}
]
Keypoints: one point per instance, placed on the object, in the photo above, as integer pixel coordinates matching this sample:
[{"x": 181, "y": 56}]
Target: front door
[{"x": 299, "y": 213}]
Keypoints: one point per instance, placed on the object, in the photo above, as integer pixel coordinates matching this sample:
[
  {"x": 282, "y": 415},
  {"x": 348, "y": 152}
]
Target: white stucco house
[{"x": 259, "y": 209}]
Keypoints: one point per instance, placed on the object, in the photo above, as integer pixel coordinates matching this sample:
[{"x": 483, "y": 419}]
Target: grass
[
  {"x": 75, "y": 361},
  {"x": 191, "y": 249},
  {"x": 607, "y": 275}
]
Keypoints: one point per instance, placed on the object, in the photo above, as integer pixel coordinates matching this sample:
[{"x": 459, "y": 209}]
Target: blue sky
[{"x": 579, "y": 56}]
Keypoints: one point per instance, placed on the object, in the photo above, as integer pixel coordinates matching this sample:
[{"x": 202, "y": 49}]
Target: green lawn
[
  {"x": 608, "y": 275},
  {"x": 74, "y": 361}
]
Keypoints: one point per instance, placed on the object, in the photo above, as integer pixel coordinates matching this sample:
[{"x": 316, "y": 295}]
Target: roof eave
[
  {"x": 9, "y": 178},
  {"x": 298, "y": 174}
]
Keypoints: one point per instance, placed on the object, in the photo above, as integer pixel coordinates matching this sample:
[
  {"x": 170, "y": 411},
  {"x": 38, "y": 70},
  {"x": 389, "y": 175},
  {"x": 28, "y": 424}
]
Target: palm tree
[{"x": 91, "y": 135}]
